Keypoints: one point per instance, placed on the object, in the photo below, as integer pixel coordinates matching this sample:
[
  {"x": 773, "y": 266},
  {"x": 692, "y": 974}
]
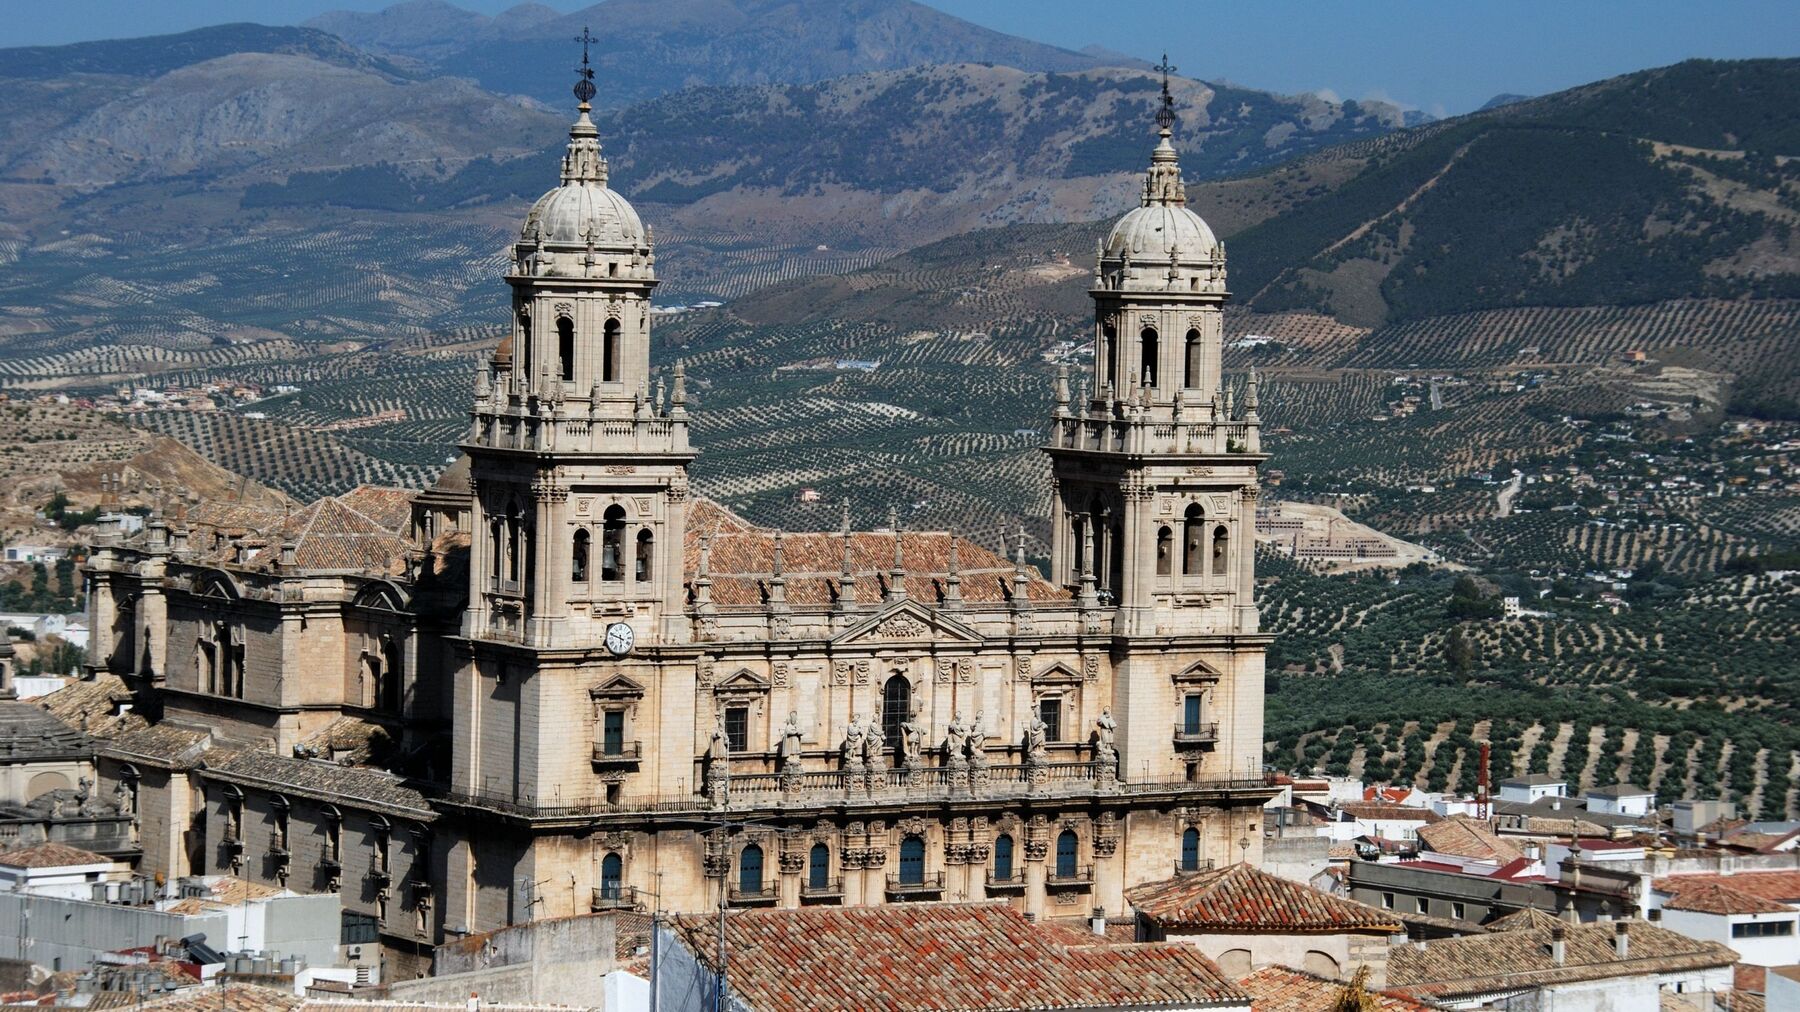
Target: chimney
[
  {"x": 1622, "y": 939},
  {"x": 288, "y": 553},
  {"x": 1558, "y": 944},
  {"x": 1098, "y": 921}
]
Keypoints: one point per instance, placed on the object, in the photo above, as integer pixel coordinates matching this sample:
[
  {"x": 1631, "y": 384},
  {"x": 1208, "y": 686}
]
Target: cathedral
[{"x": 561, "y": 681}]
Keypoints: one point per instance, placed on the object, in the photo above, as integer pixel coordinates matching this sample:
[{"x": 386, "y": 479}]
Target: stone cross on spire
[
  {"x": 584, "y": 84},
  {"x": 583, "y": 162},
  {"x": 1162, "y": 184}
]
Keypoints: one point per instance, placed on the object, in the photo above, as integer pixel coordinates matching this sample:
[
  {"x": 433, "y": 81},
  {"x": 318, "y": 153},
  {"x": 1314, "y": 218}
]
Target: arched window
[
  {"x": 392, "y": 680},
  {"x": 612, "y": 545},
  {"x": 1068, "y": 846},
  {"x": 1078, "y": 558},
  {"x": 818, "y": 867},
  {"x": 1193, "y": 540},
  {"x": 515, "y": 541},
  {"x": 1165, "y": 550},
  {"x": 565, "y": 347},
  {"x": 578, "y": 557},
  {"x": 896, "y": 708},
  {"x": 750, "y": 870},
  {"x": 497, "y": 541},
  {"x": 646, "y": 555},
  {"x": 912, "y": 860},
  {"x": 1190, "y": 849},
  {"x": 1003, "y": 858},
  {"x": 1191, "y": 377},
  {"x": 1110, "y": 337},
  {"x": 1220, "y": 542},
  {"x": 1147, "y": 372},
  {"x": 609, "y": 348},
  {"x": 611, "y": 868}
]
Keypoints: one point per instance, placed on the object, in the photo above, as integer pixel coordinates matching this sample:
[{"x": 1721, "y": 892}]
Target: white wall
[{"x": 1778, "y": 950}]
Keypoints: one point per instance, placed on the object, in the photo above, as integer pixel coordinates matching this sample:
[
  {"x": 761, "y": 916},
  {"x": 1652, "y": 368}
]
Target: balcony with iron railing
[
  {"x": 1193, "y": 734},
  {"x": 763, "y": 895},
  {"x": 830, "y": 890},
  {"x": 1080, "y": 877},
  {"x": 614, "y": 896},
  {"x": 1011, "y": 883},
  {"x": 765, "y": 791},
  {"x": 615, "y": 754},
  {"x": 922, "y": 887}
]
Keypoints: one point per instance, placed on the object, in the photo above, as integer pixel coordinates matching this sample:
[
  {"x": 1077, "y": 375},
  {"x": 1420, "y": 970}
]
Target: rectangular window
[
  {"x": 737, "y": 728},
  {"x": 1050, "y": 712},
  {"x": 1762, "y": 929},
  {"x": 1422, "y": 905},
  {"x": 1190, "y": 714},
  {"x": 613, "y": 735},
  {"x": 1458, "y": 911},
  {"x": 359, "y": 929},
  {"x": 1387, "y": 901}
]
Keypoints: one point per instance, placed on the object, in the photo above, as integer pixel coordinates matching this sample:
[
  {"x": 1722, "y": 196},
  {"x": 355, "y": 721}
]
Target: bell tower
[
  {"x": 1154, "y": 500},
  {"x": 579, "y": 462}
]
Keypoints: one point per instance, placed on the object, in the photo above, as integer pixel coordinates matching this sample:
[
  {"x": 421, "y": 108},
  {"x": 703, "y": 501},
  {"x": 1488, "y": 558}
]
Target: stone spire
[
  {"x": 703, "y": 579},
  {"x": 896, "y": 576},
  {"x": 778, "y": 580},
  {"x": 846, "y": 579},
  {"x": 583, "y": 163},
  {"x": 953, "y": 581},
  {"x": 1162, "y": 185}
]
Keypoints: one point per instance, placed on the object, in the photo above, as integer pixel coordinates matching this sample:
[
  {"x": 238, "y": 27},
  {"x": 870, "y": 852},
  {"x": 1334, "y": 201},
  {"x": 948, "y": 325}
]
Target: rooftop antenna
[
  {"x": 584, "y": 86},
  {"x": 1165, "y": 116}
]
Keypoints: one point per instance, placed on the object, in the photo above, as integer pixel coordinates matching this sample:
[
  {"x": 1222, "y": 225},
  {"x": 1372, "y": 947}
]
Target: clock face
[{"x": 619, "y": 638}]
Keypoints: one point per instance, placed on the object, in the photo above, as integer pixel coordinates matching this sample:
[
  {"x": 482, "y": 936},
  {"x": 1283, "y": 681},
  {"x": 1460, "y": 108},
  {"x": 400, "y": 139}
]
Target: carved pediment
[
  {"x": 742, "y": 682},
  {"x": 908, "y": 621},
  {"x": 1056, "y": 673},
  {"x": 381, "y": 595},
  {"x": 217, "y": 583},
  {"x": 1197, "y": 672},
  {"x": 617, "y": 687}
]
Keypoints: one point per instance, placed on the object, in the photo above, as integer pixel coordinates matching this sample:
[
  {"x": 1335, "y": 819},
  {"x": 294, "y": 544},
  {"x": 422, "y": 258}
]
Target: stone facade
[{"x": 558, "y": 681}]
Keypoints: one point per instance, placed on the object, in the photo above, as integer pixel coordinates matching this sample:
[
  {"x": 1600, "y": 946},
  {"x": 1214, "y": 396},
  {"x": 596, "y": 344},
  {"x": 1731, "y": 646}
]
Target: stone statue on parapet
[
  {"x": 790, "y": 741},
  {"x": 956, "y": 741},
  {"x": 1036, "y": 735},
  {"x": 853, "y": 742},
  {"x": 912, "y": 742}
]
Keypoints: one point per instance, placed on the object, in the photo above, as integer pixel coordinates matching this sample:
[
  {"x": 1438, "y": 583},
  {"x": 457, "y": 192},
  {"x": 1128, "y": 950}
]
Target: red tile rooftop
[
  {"x": 954, "y": 957},
  {"x": 1241, "y": 897}
]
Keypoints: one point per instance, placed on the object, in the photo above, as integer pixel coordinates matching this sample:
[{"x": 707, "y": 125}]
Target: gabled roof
[
  {"x": 954, "y": 957},
  {"x": 1284, "y": 989},
  {"x": 1466, "y": 837},
  {"x": 1780, "y": 886},
  {"x": 1715, "y": 897},
  {"x": 1617, "y": 791},
  {"x": 51, "y": 855},
  {"x": 1244, "y": 898},
  {"x": 1376, "y": 811},
  {"x": 1523, "y": 958}
]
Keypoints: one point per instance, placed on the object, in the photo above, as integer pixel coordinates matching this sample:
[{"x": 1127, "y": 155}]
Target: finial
[
  {"x": 847, "y": 580},
  {"x": 584, "y": 84},
  {"x": 953, "y": 581},
  {"x": 705, "y": 556},
  {"x": 1165, "y": 116}
]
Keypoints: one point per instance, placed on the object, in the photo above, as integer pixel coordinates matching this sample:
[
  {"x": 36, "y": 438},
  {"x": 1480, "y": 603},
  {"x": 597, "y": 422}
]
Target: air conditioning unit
[{"x": 353, "y": 953}]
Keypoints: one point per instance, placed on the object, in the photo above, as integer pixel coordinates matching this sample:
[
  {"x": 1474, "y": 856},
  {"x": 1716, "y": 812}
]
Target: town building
[{"x": 546, "y": 685}]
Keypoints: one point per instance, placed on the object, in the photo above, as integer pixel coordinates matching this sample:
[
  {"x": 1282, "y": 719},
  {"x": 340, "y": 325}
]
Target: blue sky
[{"x": 1447, "y": 56}]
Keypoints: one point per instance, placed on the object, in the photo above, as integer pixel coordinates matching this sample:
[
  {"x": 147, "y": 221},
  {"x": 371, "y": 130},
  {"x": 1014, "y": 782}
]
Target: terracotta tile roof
[
  {"x": 348, "y": 740},
  {"x": 1522, "y": 957},
  {"x": 389, "y": 508},
  {"x": 742, "y": 562},
  {"x": 1281, "y": 989},
  {"x": 1715, "y": 897},
  {"x": 348, "y": 785},
  {"x": 1466, "y": 837},
  {"x": 28, "y": 733},
  {"x": 955, "y": 957},
  {"x": 164, "y": 744},
  {"x": 1372, "y": 811},
  {"x": 1780, "y": 886},
  {"x": 232, "y": 998},
  {"x": 1243, "y": 898},
  {"x": 50, "y": 855},
  {"x": 1528, "y": 919},
  {"x": 94, "y": 706}
]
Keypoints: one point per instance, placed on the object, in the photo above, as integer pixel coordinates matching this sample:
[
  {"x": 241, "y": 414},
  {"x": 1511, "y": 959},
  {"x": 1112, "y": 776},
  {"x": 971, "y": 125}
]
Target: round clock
[{"x": 619, "y": 638}]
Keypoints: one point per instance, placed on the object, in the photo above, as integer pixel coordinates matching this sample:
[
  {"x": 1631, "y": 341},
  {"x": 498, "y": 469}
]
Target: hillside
[{"x": 648, "y": 48}]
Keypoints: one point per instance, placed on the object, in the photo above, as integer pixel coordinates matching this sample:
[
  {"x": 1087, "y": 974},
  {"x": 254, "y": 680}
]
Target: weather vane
[
  {"x": 1165, "y": 116},
  {"x": 584, "y": 88}
]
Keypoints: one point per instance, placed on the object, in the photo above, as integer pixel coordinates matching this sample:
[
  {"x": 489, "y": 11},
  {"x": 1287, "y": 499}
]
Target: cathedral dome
[
  {"x": 583, "y": 211},
  {"x": 571, "y": 213},
  {"x": 1162, "y": 223}
]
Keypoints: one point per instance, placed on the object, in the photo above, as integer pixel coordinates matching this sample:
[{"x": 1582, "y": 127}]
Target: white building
[
  {"x": 1534, "y": 787},
  {"x": 1756, "y": 913},
  {"x": 57, "y": 869},
  {"x": 1622, "y": 799}
]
